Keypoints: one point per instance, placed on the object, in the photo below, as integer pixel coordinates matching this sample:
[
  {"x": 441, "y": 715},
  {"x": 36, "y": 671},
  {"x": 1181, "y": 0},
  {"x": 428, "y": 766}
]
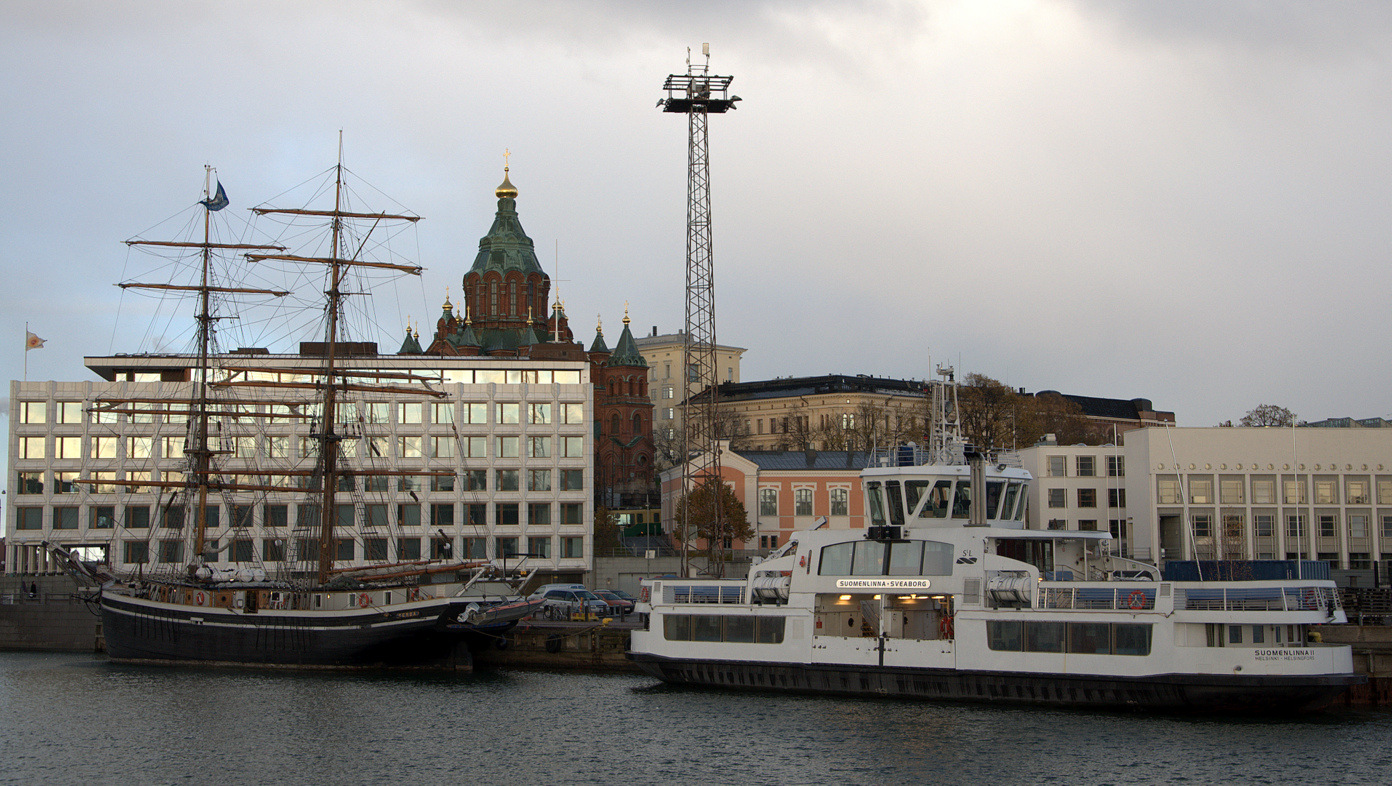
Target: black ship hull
[
  {"x": 1166, "y": 693},
  {"x": 413, "y": 634}
]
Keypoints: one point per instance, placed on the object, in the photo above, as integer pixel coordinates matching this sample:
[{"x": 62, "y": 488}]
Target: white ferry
[{"x": 948, "y": 596}]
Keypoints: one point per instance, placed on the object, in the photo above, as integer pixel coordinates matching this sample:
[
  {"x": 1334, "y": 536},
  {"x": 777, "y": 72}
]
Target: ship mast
[
  {"x": 338, "y": 264},
  {"x": 200, "y": 451}
]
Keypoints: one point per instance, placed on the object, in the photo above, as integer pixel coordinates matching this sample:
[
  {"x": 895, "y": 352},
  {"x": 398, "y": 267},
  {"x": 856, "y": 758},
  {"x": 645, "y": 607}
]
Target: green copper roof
[
  {"x": 626, "y": 352},
  {"x": 410, "y": 346},
  {"x": 599, "y": 345},
  {"x": 506, "y": 246},
  {"x": 467, "y": 337}
]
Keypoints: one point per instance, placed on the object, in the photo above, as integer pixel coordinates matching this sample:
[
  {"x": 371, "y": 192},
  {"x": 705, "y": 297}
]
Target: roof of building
[
  {"x": 625, "y": 352},
  {"x": 812, "y": 386},
  {"x": 807, "y": 459},
  {"x": 411, "y": 346},
  {"x": 1113, "y": 408},
  {"x": 1350, "y": 423},
  {"x": 506, "y": 246},
  {"x": 665, "y": 339}
]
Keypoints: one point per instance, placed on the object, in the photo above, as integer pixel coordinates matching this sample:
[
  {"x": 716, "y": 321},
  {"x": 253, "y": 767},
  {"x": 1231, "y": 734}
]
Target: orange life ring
[
  {"x": 1136, "y": 600},
  {"x": 364, "y": 601},
  {"x": 802, "y": 561},
  {"x": 198, "y": 599},
  {"x": 945, "y": 627}
]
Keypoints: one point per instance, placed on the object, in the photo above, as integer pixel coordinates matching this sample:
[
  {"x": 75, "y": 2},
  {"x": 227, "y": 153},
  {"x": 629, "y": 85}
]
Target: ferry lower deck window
[
  {"x": 1258, "y": 634},
  {"x": 1131, "y": 639},
  {"x": 739, "y": 629},
  {"x": 1003, "y": 636},
  {"x": 1234, "y": 634},
  {"x": 1045, "y": 636},
  {"x": 705, "y": 627},
  {"x": 1090, "y": 638}
]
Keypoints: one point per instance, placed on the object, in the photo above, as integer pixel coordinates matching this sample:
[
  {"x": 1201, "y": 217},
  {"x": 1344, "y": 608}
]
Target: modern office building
[{"x": 508, "y": 446}]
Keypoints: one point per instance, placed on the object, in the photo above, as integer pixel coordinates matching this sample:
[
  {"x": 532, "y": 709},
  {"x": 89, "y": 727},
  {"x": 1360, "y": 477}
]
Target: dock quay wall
[
  {"x": 43, "y": 613},
  {"x": 578, "y": 646}
]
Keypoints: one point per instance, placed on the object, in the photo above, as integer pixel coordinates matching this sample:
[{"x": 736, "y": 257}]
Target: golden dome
[{"x": 506, "y": 190}]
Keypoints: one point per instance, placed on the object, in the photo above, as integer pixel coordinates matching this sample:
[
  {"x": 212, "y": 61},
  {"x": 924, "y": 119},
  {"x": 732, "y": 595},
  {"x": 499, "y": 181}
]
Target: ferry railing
[
  {"x": 1073, "y": 598},
  {"x": 1257, "y": 598},
  {"x": 703, "y": 593}
]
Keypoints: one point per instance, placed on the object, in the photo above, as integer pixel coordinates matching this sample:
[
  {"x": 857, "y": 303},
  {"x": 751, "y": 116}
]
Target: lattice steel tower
[{"x": 698, "y": 94}]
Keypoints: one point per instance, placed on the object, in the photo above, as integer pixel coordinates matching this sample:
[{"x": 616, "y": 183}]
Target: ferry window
[
  {"x": 914, "y": 491},
  {"x": 895, "y": 498},
  {"x": 961, "y": 504},
  {"x": 876, "y": 497},
  {"x": 1132, "y": 639},
  {"x": 1045, "y": 636},
  {"x": 1258, "y": 634},
  {"x": 769, "y": 630},
  {"x": 869, "y": 559},
  {"x": 906, "y": 559},
  {"x": 993, "y": 499},
  {"x": 1003, "y": 636},
  {"x": 1089, "y": 638},
  {"x": 705, "y": 627},
  {"x": 739, "y": 629},
  {"x": 936, "y": 507},
  {"x": 676, "y": 627},
  {"x": 836, "y": 560},
  {"x": 1008, "y": 510},
  {"x": 937, "y": 558}
]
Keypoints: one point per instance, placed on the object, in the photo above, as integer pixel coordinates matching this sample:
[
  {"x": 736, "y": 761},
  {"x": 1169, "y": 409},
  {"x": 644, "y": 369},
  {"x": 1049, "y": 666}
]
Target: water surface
[{"x": 79, "y": 719}]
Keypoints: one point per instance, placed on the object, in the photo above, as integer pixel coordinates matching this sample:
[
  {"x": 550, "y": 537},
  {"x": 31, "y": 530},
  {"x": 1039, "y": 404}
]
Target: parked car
[
  {"x": 562, "y": 603},
  {"x": 617, "y": 602}
]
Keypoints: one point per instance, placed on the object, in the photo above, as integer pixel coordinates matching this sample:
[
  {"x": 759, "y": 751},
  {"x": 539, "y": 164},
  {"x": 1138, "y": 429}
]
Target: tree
[
  {"x": 1268, "y": 415},
  {"x": 1051, "y": 413},
  {"x": 989, "y": 411},
  {"x": 606, "y": 530},
  {"x": 712, "y": 536}
]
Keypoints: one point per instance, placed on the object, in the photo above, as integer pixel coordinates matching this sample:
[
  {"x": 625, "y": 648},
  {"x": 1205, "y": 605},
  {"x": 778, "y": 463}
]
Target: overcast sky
[{"x": 1182, "y": 201}]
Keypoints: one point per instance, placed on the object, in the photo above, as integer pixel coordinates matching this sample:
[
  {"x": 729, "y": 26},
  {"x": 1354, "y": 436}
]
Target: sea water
[{"x": 82, "y": 720}]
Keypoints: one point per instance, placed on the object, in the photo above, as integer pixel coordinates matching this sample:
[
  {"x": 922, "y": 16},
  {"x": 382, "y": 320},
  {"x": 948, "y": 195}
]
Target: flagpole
[{"x": 26, "y": 351}]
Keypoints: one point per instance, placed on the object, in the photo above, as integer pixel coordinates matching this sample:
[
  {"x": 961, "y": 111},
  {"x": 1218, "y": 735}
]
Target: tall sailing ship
[{"x": 296, "y": 607}]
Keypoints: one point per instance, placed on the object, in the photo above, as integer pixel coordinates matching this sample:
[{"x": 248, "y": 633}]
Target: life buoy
[
  {"x": 198, "y": 599},
  {"x": 413, "y": 594},
  {"x": 945, "y": 627},
  {"x": 364, "y": 600},
  {"x": 802, "y": 561},
  {"x": 1311, "y": 597},
  {"x": 1136, "y": 599}
]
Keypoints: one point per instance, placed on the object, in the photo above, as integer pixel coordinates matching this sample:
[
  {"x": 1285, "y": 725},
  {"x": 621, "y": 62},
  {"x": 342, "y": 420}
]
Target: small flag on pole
[
  {"x": 218, "y": 200},
  {"x": 32, "y": 341}
]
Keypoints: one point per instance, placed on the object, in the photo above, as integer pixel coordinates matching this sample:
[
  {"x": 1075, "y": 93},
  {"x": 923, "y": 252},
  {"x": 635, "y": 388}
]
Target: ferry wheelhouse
[{"x": 948, "y": 596}]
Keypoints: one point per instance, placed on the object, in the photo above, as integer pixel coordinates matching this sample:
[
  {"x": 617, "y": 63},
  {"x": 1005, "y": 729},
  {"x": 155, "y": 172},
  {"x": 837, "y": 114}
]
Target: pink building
[{"x": 783, "y": 490}]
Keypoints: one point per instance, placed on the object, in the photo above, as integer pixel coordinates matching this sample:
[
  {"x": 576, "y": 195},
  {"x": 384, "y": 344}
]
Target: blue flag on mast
[{"x": 217, "y": 202}]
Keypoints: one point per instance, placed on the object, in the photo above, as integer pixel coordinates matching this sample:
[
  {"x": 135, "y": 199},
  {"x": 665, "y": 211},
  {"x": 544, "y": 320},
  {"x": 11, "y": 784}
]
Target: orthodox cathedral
[{"x": 505, "y": 293}]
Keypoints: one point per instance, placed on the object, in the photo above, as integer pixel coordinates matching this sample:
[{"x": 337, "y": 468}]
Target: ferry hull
[
  {"x": 1168, "y": 692},
  {"x": 407, "y": 635}
]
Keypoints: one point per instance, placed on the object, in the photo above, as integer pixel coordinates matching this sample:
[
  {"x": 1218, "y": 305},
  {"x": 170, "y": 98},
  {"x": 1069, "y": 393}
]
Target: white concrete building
[
  {"x": 516, "y": 434},
  {"x": 1226, "y": 493}
]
